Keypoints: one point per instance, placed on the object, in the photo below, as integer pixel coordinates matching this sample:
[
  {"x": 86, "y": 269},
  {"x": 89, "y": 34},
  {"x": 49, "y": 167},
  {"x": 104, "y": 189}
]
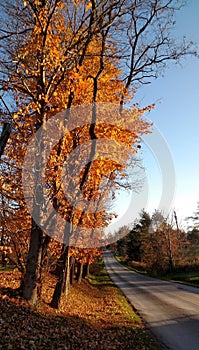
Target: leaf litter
[{"x": 90, "y": 318}]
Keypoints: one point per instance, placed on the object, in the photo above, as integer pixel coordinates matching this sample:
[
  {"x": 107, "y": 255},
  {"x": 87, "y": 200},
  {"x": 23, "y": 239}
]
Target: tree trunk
[
  {"x": 3, "y": 259},
  {"x": 31, "y": 284},
  {"x": 4, "y": 137},
  {"x": 84, "y": 271},
  {"x": 66, "y": 283},
  {"x": 87, "y": 269},
  {"x": 72, "y": 270},
  {"x": 79, "y": 272},
  {"x": 61, "y": 272},
  {"x": 44, "y": 248}
]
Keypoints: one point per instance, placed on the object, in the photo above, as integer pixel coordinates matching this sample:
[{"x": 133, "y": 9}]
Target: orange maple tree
[{"x": 58, "y": 65}]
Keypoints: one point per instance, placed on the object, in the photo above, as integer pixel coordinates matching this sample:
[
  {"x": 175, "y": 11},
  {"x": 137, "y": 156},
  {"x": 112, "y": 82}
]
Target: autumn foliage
[
  {"x": 56, "y": 56},
  {"x": 58, "y": 64}
]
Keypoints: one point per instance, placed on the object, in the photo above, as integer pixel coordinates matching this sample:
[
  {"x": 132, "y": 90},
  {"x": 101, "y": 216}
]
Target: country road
[{"x": 170, "y": 310}]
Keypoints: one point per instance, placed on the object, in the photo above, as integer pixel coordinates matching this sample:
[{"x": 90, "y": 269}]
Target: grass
[
  {"x": 128, "y": 309},
  {"x": 99, "y": 277},
  {"x": 188, "y": 278},
  {"x": 4, "y": 269},
  {"x": 101, "y": 280}
]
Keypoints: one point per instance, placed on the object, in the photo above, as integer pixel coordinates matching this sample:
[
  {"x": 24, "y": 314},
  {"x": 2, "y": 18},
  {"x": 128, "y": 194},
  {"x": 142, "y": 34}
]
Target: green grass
[
  {"x": 102, "y": 280},
  {"x": 5, "y": 269},
  {"x": 127, "y": 309},
  {"x": 189, "y": 278},
  {"x": 99, "y": 276}
]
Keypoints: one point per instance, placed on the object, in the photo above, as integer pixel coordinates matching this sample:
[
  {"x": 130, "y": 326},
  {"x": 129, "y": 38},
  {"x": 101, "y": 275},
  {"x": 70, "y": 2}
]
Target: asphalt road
[{"x": 170, "y": 310}]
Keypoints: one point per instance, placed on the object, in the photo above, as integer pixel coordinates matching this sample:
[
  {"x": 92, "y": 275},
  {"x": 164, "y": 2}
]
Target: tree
[
  {"x": 4, "y": 136},
  {"x": 134, "y": 244},
  {"x": 55, "y": 55},
  {"x": 163, "y": 247},
  {"x": 154, "y": 243},
  {"x": 194, "y": 219},
  {"x": 122, "y": 242},
  {"x": 193, "y": 237}
]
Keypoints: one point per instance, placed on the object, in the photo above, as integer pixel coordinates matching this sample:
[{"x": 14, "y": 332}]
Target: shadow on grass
[
  {"x": 100, "y": 282},
  {"x": 190, "y": 278}
]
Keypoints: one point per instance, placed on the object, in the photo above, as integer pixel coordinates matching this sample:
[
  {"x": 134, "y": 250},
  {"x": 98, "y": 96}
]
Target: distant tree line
[{"x": 157, "y": 245}]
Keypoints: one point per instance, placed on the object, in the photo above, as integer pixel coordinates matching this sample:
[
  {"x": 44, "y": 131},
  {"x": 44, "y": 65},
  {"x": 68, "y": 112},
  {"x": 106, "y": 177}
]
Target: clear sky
[{"x": 176, "y": 118}]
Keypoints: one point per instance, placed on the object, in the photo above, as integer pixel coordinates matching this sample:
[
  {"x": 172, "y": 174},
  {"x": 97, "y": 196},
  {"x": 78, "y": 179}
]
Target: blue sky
[{"x": 176, "y": 117}]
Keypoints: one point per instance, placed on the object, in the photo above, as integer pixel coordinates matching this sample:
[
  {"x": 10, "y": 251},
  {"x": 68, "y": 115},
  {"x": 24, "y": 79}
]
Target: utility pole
[{"x": 171, "y": 263}]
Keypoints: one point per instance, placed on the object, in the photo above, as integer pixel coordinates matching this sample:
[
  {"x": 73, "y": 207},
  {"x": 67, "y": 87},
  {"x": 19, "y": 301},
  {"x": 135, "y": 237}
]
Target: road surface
[{"x": 171, "y": 310}]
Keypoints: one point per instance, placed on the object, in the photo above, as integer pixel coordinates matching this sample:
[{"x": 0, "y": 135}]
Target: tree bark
[
  {"x": 79, "y": 272},
  {"x": 72, "y": 270},
  {"x": 31, "y": 284},
  {"x": 44, "y": 248},
  {"x": 85, "y": 270},
  {"x": 66, "y": 283},
  {"x": 61, "y": 272},
  {"x": 4, "y": 137}
]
